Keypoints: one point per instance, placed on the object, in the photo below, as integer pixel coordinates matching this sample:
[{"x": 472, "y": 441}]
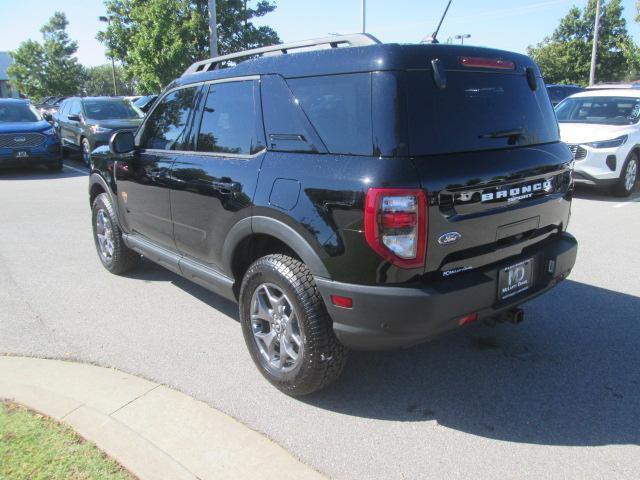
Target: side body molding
[{"x": 279, "y": 230}]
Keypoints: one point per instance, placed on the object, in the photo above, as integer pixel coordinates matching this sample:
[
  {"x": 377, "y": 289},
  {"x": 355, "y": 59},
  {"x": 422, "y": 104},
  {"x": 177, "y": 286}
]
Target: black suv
[{"x": 363, "y": 195}]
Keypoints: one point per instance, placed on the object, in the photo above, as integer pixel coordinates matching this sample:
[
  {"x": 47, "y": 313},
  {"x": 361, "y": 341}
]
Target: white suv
[{"x": 601, "y": 128}]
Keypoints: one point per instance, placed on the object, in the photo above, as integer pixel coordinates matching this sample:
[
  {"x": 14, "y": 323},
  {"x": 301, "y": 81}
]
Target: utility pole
[
  {"x": 107, "y": 20},
  {"x": 594, "y": 51},
  {"x": 363, "y": 11},
  {"x": 213, "y": 29}
]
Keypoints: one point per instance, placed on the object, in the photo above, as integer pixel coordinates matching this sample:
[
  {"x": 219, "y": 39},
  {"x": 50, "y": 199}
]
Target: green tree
[
  {"x": 156, "y": 40},
  {"x": 50, "y": 67},
  {"x": 565, "y": 56},
  {"x": 99, "y": 81}
]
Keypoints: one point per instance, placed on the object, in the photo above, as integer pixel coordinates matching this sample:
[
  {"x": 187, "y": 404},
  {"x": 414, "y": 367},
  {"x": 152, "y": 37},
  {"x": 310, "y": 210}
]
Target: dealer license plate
[{"x": 515, "y": 279}]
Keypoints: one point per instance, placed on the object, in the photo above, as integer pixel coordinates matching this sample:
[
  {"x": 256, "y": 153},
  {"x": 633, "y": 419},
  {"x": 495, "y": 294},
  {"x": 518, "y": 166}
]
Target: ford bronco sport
[{"x": 361, "y": 195}]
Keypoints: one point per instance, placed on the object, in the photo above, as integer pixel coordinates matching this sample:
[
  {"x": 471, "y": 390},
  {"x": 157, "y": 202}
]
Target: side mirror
[
  {"x": 122, "y": 142},
  {"x": 74, "y": 118}
]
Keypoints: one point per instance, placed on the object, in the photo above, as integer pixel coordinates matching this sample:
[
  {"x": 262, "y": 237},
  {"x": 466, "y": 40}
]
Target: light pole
[
  {"x": 363, "y": 11},
  {"x": 213, "y": 27},
  {"x": 462, "y": 37},
  {"x": 107, "y": 20},
  {"x": 594, "y": 49}
]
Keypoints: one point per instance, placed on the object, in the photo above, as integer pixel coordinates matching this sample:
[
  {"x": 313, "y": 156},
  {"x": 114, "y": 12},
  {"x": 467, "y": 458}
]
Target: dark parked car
[
  {"x": 557, "y": 93},
  {"x": 86, "y": 123},
  {"x": 368, "y": 197},
  {"x": 25, "y": 137},
  {"x": 145, "y": 103},
  {"x": 49, "y": 107}
]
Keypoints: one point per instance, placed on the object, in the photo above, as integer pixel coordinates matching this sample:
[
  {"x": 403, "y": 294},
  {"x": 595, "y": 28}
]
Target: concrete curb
[{"x": 151, "y": 430}]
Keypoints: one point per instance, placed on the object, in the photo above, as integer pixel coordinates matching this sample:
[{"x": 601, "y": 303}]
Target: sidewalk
[{"x": 153, "y": 431}]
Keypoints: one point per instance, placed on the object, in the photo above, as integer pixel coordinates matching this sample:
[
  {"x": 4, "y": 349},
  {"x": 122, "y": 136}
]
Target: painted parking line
[
  {"x": 76, "y": 169},
  {"x": 628, "y": 202}
]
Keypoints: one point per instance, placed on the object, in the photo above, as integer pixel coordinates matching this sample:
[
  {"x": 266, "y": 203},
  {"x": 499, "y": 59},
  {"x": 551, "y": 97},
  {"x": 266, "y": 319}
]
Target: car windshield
[
  {"x": 110, "y": 110},
  {"x": 18, "y": 113},
  {"x": 602, "y": 110}
]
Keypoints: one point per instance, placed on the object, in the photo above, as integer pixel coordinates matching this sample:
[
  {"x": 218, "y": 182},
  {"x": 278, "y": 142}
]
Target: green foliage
[
  {"x": 34, "y": 447},
  {"x": 47, "y": 68},
  {"x": 99, "y": 81},
  {"x": 565, "y": 56},
  {"x": 156, "y": 40}
]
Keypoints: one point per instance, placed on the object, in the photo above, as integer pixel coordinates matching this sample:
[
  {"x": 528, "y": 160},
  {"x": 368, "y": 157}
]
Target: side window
[
  {"x": 231, "y": 119},
  {"x": 339, "y": 107},
  {"x": 62, "y": 112},
  {"x": 75, "y": 108},
  {"x": 166, "y": 127}
]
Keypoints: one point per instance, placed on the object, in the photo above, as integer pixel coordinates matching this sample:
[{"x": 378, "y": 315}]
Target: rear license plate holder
[{"x": 515, "y": 279}]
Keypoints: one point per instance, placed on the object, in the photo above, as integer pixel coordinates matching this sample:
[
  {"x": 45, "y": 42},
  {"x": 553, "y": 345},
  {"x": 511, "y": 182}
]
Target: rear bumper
[{"x": 395, "y": 316}]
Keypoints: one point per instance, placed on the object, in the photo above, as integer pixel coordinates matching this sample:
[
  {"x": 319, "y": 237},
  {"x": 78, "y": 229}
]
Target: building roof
[{"x": 5, "y": 61}]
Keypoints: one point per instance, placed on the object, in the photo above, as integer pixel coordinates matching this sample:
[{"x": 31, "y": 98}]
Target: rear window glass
[
  {"x": 339, "y": 107},
  {"x": 475, "y": 112}
]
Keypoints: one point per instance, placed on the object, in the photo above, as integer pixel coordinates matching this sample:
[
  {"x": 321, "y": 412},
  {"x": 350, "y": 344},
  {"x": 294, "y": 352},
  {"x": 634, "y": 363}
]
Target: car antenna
[{"x": 434, "y": 38}]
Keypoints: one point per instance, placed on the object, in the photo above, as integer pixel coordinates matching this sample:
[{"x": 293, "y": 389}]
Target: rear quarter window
[{"x": 339, "y": 107}]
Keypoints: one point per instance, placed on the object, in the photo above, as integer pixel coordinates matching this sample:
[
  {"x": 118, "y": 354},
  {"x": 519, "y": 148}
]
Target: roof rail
[{"x": 353, "y": 40}]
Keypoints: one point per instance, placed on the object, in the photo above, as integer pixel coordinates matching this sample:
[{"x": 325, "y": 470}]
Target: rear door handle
[{"x": 229, "y": 186}]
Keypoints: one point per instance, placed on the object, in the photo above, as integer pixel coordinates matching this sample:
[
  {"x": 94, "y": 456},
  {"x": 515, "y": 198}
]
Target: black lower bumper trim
[{"x": 385, "y": 317}]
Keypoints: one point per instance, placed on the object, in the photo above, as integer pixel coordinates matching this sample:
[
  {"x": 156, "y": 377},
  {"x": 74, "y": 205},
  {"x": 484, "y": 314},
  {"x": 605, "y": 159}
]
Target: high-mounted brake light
[
  {"x": 395, "y": 225},
  {"x": 481, "y": 62}
]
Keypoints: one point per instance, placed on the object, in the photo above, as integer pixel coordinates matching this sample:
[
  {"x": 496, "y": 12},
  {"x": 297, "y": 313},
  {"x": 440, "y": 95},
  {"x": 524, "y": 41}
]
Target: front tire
[
  {"x": 113, "y": 253},
  {"x": 626, "y": 185},
  {"x": 86, "y": 152},
  {"x": 287, "y": 328}
]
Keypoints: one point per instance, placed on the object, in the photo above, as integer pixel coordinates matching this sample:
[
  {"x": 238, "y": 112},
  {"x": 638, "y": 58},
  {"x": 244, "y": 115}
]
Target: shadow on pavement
[
  {"x": 150, "y": 272},
  {"x": 39, "y": 172},
  {"x": 569, "y": 375},
  {"x": 601, "y": 195}
]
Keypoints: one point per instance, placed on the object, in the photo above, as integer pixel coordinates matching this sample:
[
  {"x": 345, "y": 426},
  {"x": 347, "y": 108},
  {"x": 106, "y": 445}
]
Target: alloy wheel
[
  {"x": 276, "y": 328},
  {"x": 631, "y": 174},
  {"x": 104, "y": 234}
]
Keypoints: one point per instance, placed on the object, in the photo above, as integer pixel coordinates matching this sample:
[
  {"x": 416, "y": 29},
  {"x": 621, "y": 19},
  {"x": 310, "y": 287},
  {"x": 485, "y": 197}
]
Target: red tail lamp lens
[
  {"x": 340, "y": 301},
  {"x": 481, "y": 62},
  {"x": 398, "y": 220}
]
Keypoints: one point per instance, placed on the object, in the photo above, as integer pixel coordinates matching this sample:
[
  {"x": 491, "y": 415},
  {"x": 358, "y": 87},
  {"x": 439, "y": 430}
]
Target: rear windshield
[
  {"x": 18, "y": 112},
  {"x": 110, "y": 110},
  {"x": 477, "y": 111},
  {"x": 603, "y": 110}
]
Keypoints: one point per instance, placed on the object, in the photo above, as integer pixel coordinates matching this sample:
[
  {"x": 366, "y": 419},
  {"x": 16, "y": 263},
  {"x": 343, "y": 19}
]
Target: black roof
[{"x": 380, "y": 57}]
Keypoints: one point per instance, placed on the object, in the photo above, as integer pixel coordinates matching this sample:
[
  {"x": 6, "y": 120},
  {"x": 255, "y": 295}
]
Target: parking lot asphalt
[{"x": 555, "y": 397}]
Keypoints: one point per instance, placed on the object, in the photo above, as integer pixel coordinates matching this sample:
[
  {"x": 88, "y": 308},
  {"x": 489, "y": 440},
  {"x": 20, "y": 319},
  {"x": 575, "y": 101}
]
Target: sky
[{"x": 510, "y": 25}]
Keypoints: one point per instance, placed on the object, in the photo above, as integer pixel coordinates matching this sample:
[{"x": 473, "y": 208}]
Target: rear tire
[
  {"x": 626, "y": 184},
  {"x": 287, "y": 328},
  {"x": 107, "y": 235}
]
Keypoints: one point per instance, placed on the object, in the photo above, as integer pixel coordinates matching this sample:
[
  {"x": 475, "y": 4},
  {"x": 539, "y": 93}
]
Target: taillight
[
  {"x": 481, "y": 62},
  {"x": 395, "y": 224}
]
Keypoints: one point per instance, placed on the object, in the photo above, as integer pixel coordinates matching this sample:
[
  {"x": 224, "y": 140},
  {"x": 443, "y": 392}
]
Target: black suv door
[
  {"x": 144, "y": 177},
  {"x": 214, "y": 185}
]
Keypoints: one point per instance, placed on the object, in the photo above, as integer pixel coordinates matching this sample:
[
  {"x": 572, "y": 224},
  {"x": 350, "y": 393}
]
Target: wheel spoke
[
  {"x": 268, "y": 341},
  {"x": 273, "y": 300},
  {"x": 261, "y": 309}
]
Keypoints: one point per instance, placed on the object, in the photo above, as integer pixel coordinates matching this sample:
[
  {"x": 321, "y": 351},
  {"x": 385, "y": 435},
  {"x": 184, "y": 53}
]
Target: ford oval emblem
[
  {"x": 449, "y": 238},
  {"x": 19, "y": 139}
]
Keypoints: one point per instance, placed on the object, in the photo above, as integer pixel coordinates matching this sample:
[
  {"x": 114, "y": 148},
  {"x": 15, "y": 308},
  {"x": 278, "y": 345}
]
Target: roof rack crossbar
[{"x": 353, "y": 40}]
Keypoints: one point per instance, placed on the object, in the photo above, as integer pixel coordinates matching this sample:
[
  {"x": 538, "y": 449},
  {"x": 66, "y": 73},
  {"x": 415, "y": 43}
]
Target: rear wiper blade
[{"x": 514, "y": 132}]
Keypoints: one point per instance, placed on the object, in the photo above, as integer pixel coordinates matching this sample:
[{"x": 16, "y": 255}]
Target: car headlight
[
  {"x": 49, "y": 131},
  {"x": 99, "y": 129},
  {"x": 616, "y": 142}
]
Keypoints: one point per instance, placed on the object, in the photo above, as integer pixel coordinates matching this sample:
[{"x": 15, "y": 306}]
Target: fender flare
[
  {"x": 275, "y": 228},
  {"x": 96, "y": 178}
]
